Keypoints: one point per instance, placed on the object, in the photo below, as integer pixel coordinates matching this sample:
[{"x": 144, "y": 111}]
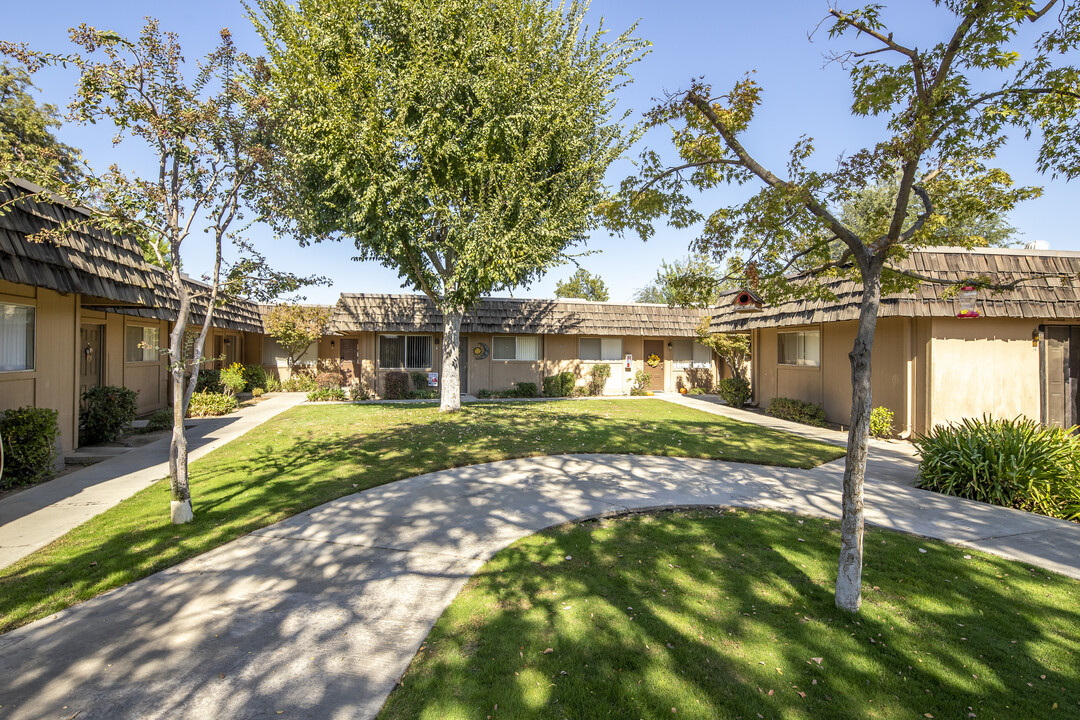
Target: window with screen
[
  {"x": 600, "y": 349},
  {"x": 405, "y": 352},
  {"x": 17, "y": 325},
  {"x": 519, "y": 347},
  {"x": 141, "y": 344},
  {"x": 802, "y": 348},
  {"x": 689, "y": 354}
]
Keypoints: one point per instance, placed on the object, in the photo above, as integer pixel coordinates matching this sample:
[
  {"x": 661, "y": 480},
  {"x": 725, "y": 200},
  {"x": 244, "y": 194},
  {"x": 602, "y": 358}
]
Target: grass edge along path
[
  {"x": 713, "y": 613},
  {"x": 313, "y": 454}
]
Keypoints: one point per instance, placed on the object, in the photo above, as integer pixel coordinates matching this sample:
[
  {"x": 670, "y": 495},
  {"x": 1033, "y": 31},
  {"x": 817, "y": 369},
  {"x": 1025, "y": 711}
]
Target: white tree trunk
[
  {"x": 450, "y": 379},
  {"x": 849, "y": 577}
]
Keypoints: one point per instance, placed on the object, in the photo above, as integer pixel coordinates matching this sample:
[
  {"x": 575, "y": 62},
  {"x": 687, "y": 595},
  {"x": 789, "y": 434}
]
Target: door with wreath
[{"x": 654, "y": 363}]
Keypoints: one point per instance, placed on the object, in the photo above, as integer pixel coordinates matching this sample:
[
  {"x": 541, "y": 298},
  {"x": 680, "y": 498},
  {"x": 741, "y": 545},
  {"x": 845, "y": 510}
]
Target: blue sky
[{"x": 721, "y": 40}]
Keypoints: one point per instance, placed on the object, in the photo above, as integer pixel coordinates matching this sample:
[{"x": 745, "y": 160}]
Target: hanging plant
[{"x": 653, "y": 360}]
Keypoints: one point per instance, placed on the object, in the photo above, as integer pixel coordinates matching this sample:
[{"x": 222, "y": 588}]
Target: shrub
[
  {"x": 255, "y": 377},
  {"x": 397, "y": 385},
  {"x": 29, "y": 437},
  {"x": 695, "y": 391},
  {"x": 422, "y": 394},
  {"x": 881, "y": 420},
  {"x": 211, "y": 404},
  {"x": 419, "y": 380},
  {"x": 798, "y": 411},
  {"x": 642, "y": 378},
  {"x": 1015, "y": 463},
  {"x": 330, "y": 379},
  {"x": 257, "y": 392},
  {"x": 735, "y": 391},
  {"x": 483, "y": 393},
  {"x": 209, "y": 381},
  {"x": 272, "y": 384},
  {"x": 525, "y": 390},
  {"x": 561, "y": 385},
  {"x": 327, "y": 394},
  {"x": 105, "y": 412},
  {"x": 299, "y": 382},
  {"x": 232, "y": 379},
  {"x": 359, "y": 391},
  {"x": 598, "y": 377},
  {"x": 160, "y": 420}
]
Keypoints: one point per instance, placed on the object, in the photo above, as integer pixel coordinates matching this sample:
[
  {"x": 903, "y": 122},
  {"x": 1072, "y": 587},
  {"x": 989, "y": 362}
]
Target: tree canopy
[
  {"x": 948, "y": 106},
  {"x": 583, "y": 284},
  {"x": 28, "y": 147},
  {"x": 461, "y": 142},
  {"x": 692, "y": 282}
]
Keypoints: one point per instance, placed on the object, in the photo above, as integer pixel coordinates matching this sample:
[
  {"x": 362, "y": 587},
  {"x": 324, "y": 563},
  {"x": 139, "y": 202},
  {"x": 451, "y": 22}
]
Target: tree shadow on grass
[{"x": 715, "y": 618}]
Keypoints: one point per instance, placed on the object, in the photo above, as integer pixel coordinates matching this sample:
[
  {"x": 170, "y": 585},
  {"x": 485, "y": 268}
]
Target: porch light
[
  {"x": 331, "y": 343},
  {"x": 747, "y": 302},
  {"x": 967, "y": 297}
]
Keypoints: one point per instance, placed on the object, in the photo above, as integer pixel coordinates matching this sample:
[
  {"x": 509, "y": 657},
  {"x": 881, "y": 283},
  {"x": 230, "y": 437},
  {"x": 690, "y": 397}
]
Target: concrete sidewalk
[
  {"x": 34, "y": 517},
  {"x": 319, "y": 615}
]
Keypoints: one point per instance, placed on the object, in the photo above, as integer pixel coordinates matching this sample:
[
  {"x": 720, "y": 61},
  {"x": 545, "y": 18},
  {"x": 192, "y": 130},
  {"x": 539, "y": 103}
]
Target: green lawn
[
  {"x": 724, "y": 614},
  {"x": 313, "y": 454}
]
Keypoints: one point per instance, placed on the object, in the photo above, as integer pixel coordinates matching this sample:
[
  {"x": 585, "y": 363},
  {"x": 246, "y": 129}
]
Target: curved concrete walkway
[{"x": 319, "y": 615}]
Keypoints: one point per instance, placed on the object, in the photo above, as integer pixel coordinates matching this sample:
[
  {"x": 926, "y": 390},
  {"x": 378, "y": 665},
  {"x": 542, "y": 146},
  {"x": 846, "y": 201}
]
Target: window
[
  {"x": 16, "y": 337},
  {"x": 799, "y": 348},
  {"x": 600, "y": 349},
  {"x": 407, "y": 352},
  {"x": 141, "y": 344},
  {"x": 689, "y": 354},
  {"x": 521, "y": 347}
]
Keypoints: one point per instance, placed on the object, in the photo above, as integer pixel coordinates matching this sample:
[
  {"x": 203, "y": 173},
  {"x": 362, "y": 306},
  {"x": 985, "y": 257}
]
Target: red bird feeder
[{"x": 967, "y": 302}]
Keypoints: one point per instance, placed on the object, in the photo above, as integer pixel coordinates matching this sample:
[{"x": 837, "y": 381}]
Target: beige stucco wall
[
  {"x": 892, "y": 363},
  {"x": 983, "y": 366}
]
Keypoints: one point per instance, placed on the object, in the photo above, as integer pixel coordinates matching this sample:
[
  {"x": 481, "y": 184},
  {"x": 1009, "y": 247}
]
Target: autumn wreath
[{"x": 653, "y": 360}]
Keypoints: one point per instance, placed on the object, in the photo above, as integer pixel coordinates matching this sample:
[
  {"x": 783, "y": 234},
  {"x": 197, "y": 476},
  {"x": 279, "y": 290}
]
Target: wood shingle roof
[
  {"x": 417, "y": 313},
  {"x": 108, "y": 270},
  {"x": 1040, "y": 297}
]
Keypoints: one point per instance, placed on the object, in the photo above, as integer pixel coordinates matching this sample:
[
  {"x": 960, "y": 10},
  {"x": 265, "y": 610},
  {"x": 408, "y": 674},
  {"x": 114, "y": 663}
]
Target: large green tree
[
  {"x": 461, "y": 142},
  {"x": 583, "y": 284},
  {"x": 28, "y": 148},
  {"x": 948, "y": 106},
  {"x": 204, "y": 137},
  {"x": 692, "y": 282}
]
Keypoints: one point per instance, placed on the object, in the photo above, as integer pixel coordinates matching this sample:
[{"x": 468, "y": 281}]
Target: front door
[
  {"x": 1060, "y": 371},
  {"x": 656, "y": 374},
  {"x": 90, "y": 360},
  {"x": 350, "y": 357}
]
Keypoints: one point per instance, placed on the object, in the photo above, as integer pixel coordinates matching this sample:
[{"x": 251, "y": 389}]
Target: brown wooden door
[
  {"x": 656, "y": 374},
  {"x": 350, "y": 357},
  {"x": 90, "y": 352}
]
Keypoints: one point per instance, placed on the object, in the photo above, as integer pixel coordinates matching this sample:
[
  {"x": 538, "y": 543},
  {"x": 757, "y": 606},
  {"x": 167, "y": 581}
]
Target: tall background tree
[
  {"x": 583, "y": 284},
  {"x": 28, "y": 148},
  {"x": 948, "y": 106},
  {"x": 693, "y": 282},
  {"x": 204, "y": 137},
  {"x": 461, "y": 142}
]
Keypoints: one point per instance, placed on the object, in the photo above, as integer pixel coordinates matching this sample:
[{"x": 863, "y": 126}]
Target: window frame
[
  {"x": 155, "y": 356},
  {"x": 618, "y": 357},
  {"x": 405, "y": 351},
  {"x": 800, "y": 349},
  {"x": 517, "y": 348},
  {"x": 31, "y": 328}
]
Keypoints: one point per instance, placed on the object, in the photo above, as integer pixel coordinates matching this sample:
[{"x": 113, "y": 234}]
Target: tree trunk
[
  {"x": 180, "y": 508},
  {"x": 450, "y": 380},
  {"x": 849, "y": 577}
]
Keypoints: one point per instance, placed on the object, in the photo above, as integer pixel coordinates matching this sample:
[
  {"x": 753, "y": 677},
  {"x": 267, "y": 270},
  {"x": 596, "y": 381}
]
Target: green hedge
[
  {"x": 106, "y": 412},
  {"x": 29, "y": 441},
  {"x": 735, "y": 391},
  {"x": 1015, "y": 463},
  {"x": 255, "y": 377},
  {"x": 561, "y": 385},
  {"x": 798, "y": 411}
]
